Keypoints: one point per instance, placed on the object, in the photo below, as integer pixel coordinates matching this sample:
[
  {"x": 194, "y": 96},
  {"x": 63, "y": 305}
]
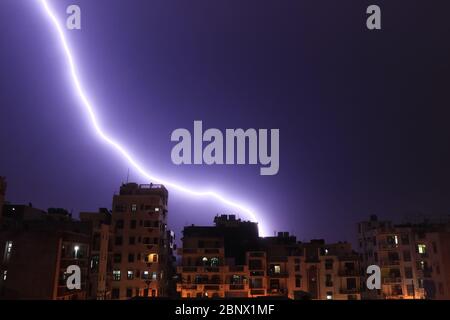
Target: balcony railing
[
  {"x": 212, "y": 287},
  {"x": 349, "y": 290},
  {"x": 348, "y": 273},
  {"x": 282, "y": 274},
  {"x": 389, "y": 262},
  {"x": 237, "y": 286},
  {"x": 392, "y": 280},
  {"x": 188, "y": 286},
  {"x": 237, "y": 268},
  {"x": 189, "y": 269}
]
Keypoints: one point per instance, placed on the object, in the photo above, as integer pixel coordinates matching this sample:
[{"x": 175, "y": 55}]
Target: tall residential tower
[{"x": 142, "y": 259}]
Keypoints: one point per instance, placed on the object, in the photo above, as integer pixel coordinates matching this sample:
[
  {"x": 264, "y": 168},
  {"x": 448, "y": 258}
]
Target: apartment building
[
  {"x": 312, "y": 269},
  {"x": 37, "y": 249},
  {"x": 414, "y": 258},
  {"x": 214, "y": 258},
  {"x": 226, "y": 261},
  {"x": 100, "y": 265},
  {"x": 142, "y": 259}
]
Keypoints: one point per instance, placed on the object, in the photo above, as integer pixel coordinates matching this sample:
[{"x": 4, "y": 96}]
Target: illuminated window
[
  {"x": 154, "y": 276},
  {"x": 329, "y": 295},
  {"x": 145, "y": 275},
  {"x": 5, "y": 274},
  {"x": 8, "y": 251},
  {"x": 152, "y": 257},
  {"x": 214, "y": 262},
  {"x": 76, "y": 249},
  {"x": 421, "y": 248},
  {"x": 130, "y": 275},
  {"x": 134, "y": 207},
  {"x": 156, "y": 209},
  {"x": 396, "y": 239},
  {"x": 205, "y": 260},
  {"x": 116, "y": 275},
  {"x": 276, "y": 269}
]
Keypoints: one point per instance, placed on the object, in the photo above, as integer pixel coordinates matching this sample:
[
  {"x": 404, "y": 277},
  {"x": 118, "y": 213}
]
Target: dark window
[
  {"x": 119, "y": 224},
  {"x": 404, "y": 238},
  {"x": 129, "y": 292},
  {"x": 131, "y": 257},
  {"x": 351, "y": 283},
  {"x": 115, "y": 293},
  {"x": 120, "y": 208},
  {"x": 133, "y": 224},
  {"x": 254, "y": 264},
  {"x": 132, "y": 240},
  {"x": 406, "y": 255},
  {"x": 118, "y": 241},
  {"x": 410, "y": 289},
  {"x": 328, "y": 280},
  {"x": 408, "y": 273},
  {"x": 117, "y": 258},
  {"x": 298, "y": 281}
]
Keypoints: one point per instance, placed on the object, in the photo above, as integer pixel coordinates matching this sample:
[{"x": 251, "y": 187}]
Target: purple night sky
[{"x": 363, "y": 116}]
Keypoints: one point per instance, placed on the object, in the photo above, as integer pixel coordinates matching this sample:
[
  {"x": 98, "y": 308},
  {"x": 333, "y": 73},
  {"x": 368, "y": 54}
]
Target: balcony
[
  {"x": 257, "y": 292},
  {"x": 257, "y": 254},
  {"x": 282, "y": 274},
  {"x": 211, "y": 288},
  {"x": 237, "y": 287},
  {"x": 212, "y": 251},
  {"x": 187, "y": 286},
  {"x": 237, "y": 269},
  {"x": 389, "y": 262},
  {"x": 387, "y": 246},
  {"x": 188, "y": 250},
  {"x": 349, "y": 290},
  {"x": 189, "y": 269},
  {"x": 211, "y": 269},
  {"x": 392, "y": 280},
  {"x": 278, "y": 259},
  {"x": 349, "y": 273}
]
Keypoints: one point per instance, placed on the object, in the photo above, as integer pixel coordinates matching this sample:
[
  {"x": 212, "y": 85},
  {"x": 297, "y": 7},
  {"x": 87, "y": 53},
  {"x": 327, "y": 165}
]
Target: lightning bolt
[{"x": 88, "y": 106}]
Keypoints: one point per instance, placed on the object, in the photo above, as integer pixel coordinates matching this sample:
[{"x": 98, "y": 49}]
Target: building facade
[
  {"x": 229, "y": 261},
  {"x": 100, "y": 265},
  {"x": 414, "y": 258},
  {"x": 142, "y": 259},
  {"x": 36, "y": 250}
]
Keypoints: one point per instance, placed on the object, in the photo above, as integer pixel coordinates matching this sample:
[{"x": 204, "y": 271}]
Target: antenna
[{"x": 128, "y": 174}]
